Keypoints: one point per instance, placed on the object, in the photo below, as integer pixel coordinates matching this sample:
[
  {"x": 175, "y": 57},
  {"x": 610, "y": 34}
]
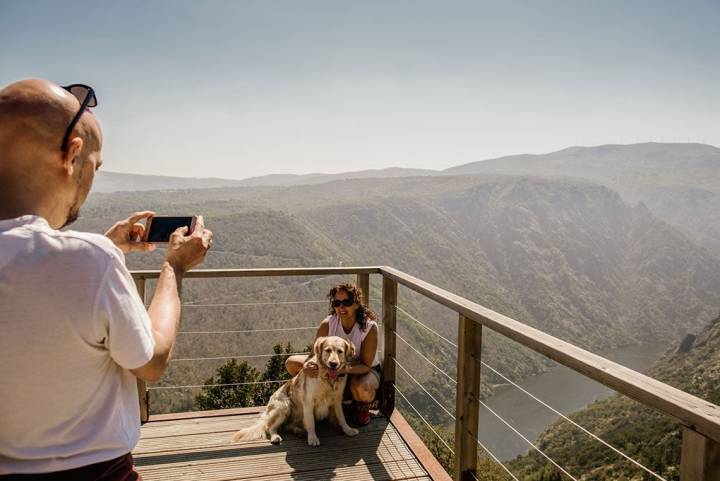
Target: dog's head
[{"x": 332, "y": 353}]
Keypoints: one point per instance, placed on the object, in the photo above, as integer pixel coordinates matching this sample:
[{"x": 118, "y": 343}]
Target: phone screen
[{"x": 162, "y": 227}]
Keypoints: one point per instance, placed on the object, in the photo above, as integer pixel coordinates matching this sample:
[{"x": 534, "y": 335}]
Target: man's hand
[
  {"x": 186, "y": 251},
  {"x": 127, "y": 234}
]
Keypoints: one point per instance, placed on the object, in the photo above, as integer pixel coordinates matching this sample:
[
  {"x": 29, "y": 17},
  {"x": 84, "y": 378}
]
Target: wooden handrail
[
  {"x": 691, "y": 411},
  {"x": 270, "y": 272}
]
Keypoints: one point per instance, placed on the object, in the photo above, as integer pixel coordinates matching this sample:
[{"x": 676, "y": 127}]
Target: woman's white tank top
[{"x": 356, "y": 335}]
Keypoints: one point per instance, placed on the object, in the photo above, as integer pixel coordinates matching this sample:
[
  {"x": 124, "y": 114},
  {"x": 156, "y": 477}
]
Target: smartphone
[{"x": 159, "y": 228}]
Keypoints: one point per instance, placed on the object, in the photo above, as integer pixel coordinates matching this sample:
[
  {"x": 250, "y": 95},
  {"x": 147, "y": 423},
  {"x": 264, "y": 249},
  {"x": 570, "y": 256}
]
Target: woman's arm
[{"x": 367, "y": 354}]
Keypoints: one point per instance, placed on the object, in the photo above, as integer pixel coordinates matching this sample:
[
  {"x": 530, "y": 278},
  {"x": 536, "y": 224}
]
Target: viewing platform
[{"x": 197, "y": 446}]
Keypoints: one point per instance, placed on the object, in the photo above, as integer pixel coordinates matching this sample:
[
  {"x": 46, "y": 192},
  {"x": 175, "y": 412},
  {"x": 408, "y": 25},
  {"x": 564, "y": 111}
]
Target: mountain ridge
[{"x": 108, "y": 181}]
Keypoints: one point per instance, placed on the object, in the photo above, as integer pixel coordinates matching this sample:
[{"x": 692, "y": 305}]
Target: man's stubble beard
[
  {"x": 73, "y": 214},
  {"x": 74, "y": 211}
]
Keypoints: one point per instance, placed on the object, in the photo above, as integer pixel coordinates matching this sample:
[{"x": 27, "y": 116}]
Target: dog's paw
[
  {"x": 313, "y": 440},
  {"x": 351, "y": 432},
  {"x": 275, "y": 439}
]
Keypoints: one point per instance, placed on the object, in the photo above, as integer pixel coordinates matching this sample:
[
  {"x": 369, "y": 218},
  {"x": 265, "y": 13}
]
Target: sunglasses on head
[
  {"x": 86, "y": 96},
  {"x": 344, "y": 302}
]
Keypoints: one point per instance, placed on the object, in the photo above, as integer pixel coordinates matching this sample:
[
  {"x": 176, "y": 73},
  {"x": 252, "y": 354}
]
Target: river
[{"x": 561, "y": 388}]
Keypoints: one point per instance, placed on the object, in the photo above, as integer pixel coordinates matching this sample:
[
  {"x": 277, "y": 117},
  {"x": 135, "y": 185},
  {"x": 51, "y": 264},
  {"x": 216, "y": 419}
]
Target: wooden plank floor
[{"x": 200, "y": 449}]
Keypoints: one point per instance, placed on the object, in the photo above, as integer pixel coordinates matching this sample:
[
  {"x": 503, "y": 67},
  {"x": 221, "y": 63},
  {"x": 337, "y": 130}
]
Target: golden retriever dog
[{"x": 301, "y": 401}]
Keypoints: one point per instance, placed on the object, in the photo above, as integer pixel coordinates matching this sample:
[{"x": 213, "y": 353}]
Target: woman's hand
[{"x": 310, "y": 368}]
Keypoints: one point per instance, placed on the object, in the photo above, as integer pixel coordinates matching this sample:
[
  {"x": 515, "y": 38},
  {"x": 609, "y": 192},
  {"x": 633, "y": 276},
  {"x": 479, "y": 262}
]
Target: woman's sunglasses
[
  {"x": 344, "y": 302},
  {"x": 86, "y": 96}
]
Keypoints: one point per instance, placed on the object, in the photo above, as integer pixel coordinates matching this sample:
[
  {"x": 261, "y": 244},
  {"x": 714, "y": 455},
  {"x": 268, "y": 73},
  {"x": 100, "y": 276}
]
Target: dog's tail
[
  {"x": 275, "y": 414},
  {"x": 252, "y": 433}
]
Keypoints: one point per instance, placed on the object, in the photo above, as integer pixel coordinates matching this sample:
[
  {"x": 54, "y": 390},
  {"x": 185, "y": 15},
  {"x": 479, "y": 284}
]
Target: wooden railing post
[
  {"x": 700, "y": 458},
  {"x": 466, "y": 399},
  {"x": 363, "y": 282},
  {"x": 389, "y": 301},
  {"x": 143, "y": 397}
]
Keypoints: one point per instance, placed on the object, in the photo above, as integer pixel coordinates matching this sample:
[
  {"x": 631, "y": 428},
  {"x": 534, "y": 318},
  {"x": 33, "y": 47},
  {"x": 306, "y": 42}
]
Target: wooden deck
[{"x": 198, "y": 447}]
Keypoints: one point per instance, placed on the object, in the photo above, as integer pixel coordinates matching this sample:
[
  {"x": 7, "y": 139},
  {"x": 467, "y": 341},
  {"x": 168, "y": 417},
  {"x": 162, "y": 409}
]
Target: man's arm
[
  {"x": 184, "y": 252},
  {"x": 164, "y": 313}
]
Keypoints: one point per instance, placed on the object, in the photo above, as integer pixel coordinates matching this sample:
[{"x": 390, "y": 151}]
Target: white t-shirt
[{"x": 71, "y": 325}]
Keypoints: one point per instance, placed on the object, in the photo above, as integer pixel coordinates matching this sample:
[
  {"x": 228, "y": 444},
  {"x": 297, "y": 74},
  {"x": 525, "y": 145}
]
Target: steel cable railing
[
  {"x": 245, "y": 304},
  {"x": 593, "y": 435},
  {"x": 482, "y": 403},
  {"x": 244, "y": 356},
  {"x": 248, "y": 331},
  {"x": 532, "y": 445},
  {"x": 543, "y": 403},
  {"x": 195, "y": 386},
  {"x": 247, "y": 356},
  {"x": 482, "y": 446},
  {"x": 275, "y": 289},
  {"x": 438, "y": 369},
  {"x": 440, "y": 405},
  {"x": 422, "y": 418},
  {"x": 425, "y": 326}
]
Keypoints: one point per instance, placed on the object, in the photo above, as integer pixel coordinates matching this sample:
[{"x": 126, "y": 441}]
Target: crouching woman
[{"x": 352, "y": 320}]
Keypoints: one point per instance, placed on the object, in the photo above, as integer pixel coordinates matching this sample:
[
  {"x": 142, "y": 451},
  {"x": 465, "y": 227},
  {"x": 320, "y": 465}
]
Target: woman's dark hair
[{"x": 363, "y": 312}]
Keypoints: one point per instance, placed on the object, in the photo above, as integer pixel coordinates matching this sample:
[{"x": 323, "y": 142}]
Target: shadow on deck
[{"x": 196, "y": 446}]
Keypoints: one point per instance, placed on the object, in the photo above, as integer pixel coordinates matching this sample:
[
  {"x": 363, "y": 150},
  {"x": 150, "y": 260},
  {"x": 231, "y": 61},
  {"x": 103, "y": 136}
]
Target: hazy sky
[{"x": 239, "y": 88}]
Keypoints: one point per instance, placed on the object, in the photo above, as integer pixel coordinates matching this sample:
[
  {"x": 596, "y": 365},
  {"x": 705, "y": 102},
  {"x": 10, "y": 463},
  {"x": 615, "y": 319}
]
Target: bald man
[{"x": 75, "y": 334}]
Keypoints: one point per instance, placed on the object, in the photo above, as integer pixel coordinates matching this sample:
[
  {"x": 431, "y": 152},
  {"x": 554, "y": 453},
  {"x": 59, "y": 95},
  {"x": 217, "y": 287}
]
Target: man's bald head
[
  {"x": 40, "y": 111},
  {"x": 34, "y": 115}
]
